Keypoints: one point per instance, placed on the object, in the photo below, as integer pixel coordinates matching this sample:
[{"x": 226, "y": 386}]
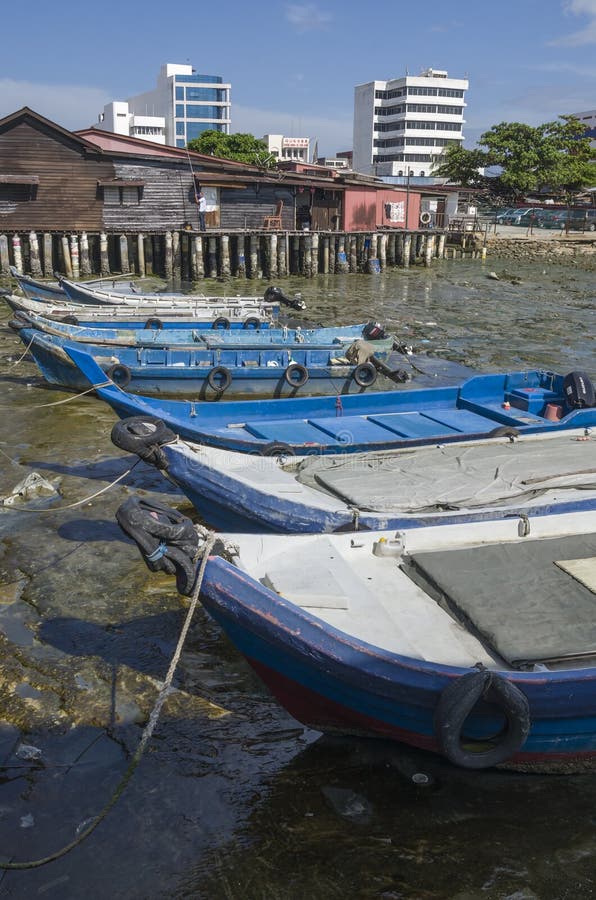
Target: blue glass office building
[{"x": 189, "y": 102}]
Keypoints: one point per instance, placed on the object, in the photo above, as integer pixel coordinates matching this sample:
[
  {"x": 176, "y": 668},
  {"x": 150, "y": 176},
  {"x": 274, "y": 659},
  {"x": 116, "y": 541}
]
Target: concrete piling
[{"x": 186, "y": 254}]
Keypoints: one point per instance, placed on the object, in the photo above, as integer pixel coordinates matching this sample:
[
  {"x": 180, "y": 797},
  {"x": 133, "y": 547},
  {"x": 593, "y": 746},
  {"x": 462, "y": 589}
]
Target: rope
[
  {"x": 21, "y": 358},
  {"x": 56, "y": 509},
  {"x": 66, "y": 399},
  {"x": 147, "y": 732}
]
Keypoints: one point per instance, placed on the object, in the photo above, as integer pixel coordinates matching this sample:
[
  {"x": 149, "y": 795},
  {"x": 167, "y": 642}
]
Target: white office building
[
  {"x": 284, "y": 149},
  {"x": 588, "y": 119},
  {"x": 118, "y": 118},
  {"x": 402, "y": 126},
  {"x": 184, "y": 102}
]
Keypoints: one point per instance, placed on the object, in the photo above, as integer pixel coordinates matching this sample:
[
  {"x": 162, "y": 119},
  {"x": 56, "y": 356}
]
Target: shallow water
[{"x": 233, "y": 798}]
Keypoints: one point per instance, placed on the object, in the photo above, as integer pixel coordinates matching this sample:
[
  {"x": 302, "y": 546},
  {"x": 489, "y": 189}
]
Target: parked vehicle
[{"x": 513, "y": 216}]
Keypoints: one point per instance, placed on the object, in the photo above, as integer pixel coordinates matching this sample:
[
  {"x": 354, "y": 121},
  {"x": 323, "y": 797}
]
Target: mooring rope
[
  {"x": 21, "y": 358},
  {"x": 56, "y": 509},
  {"x": 66, "y": 399},
  {"x": 147, "y": 732}
]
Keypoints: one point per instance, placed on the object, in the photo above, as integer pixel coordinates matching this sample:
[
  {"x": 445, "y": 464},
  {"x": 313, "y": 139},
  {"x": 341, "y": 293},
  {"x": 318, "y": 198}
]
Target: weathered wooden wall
[
  {"x": 166, "y": 200},
  {"x": 66, "y": 196},
  {"x": 246, "y": 208}
]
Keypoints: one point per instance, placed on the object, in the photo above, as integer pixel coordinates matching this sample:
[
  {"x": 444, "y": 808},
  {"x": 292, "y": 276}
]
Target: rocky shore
[{"x": 576, "y": 250}]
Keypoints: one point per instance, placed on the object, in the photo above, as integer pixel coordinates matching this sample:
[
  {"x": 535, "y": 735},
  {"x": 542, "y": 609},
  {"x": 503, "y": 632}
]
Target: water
[{"x": 233, "y": 798}]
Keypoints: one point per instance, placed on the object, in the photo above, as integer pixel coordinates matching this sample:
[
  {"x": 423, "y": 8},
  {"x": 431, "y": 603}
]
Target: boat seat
[
  {"x": 496, "y": 412},
  {"x": 433, "y": 423},
  {"x": 532, "y": 400},
  {"x": 368, "y": 602}
]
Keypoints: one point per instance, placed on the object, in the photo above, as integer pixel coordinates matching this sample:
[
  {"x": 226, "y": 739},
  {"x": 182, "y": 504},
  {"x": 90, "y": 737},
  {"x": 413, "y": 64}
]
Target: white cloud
[
  {"x": 307, "y": 16},
  {"x": 70, "y": 106},
  {"x": 587, "y": 34},
  {"x": 332, "y": 135}
]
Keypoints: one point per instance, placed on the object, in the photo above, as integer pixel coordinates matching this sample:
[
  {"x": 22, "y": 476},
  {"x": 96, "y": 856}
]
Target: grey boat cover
[
  {"x": 521, "y": 599},
  {"x": 452, "y": 476}
]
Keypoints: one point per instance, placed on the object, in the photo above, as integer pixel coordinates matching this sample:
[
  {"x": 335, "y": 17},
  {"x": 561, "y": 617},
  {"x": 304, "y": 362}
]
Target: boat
[
  {"x": 156, "y": 317},
  {"x": 529, "y": 476},
  {"x": 208, "y": 369},
  {"x": 81, "y": 293},
  {"x": 53, "y": 292},
  {"x": 529, "y": 402},
  {"x": 217, "y": 336},
  {"x": 474, "y": 642}
]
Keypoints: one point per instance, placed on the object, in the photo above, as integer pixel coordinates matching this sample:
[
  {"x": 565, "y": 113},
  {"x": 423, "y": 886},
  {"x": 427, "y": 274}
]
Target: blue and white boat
[
  {"x": 179, "y": 315},
  {"x": 529, "y": 402},
  {"x": 217, "y": 336},
  {"x": 477, "y": 642},
  {"x": 209, "y": 370},
  {"x": 81, "y": 293},
  {"x": 523, "y": 477},
  {"x": 53, "y": 292}
]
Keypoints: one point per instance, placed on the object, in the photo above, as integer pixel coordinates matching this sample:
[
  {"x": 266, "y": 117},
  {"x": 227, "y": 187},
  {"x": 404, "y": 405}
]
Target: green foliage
[
  {"x": 554, "y": 156},
  {"x": 241, "y": 147},
  {"x": 461, "y": 166}
]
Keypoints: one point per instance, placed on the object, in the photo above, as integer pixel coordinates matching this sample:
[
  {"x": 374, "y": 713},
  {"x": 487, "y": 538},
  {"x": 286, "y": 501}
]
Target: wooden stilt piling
[
  {"x": 66, "y": 257},
  {"x": 34, "y": 260}
]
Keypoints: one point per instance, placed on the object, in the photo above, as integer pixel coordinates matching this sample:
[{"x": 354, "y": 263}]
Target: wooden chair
[{"x": 274, "y": 221}]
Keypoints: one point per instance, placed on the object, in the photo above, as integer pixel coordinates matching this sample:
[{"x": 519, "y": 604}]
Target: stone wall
[{"x": 560, "y": 251}]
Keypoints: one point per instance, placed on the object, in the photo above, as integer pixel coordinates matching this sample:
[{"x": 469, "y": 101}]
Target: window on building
[
  {"x": 179, "y": 93},
  {"x": 194, "y": 94},
  {"x": 179, "y": 111},
  {"x": 18, "y": 188},
  {"x": 180, "y": 128},
  {"x": 121, "y": 193},
  {"x": 203, "y": 112},
  {"x": 194, "y": 129}
]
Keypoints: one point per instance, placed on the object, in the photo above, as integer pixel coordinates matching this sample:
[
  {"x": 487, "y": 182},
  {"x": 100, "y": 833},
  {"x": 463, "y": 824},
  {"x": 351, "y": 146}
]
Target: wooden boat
[
  {"x": 80, "y": 293},
  {"x": 480, "y": 480},
  {"x": 53, "y": 292},
  {"x": 208, "y": 370},
  {"x": 529, "y": 401},
  {"x": 214, "y": 337},
  {"x": 170, "y": 315},
  {"x": 472, "y": 642}
]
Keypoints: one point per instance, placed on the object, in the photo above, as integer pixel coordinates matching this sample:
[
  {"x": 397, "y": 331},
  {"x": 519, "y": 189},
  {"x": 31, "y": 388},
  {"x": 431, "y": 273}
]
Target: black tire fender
[
  {"x": 143, "y": 435},
  {"x": 458, "y": 701},
  {"x": 365, "y": 374},
  {"x": 276, "y": 448},
  {"x": 296, "y": 375},
  {"x": 252, "y": 322},
  {"x": 120, "y": 374},
  {"x": 166, "y": 538},
  {"x": 504, "y": 431},
  {"x": 219, "y": 379},
  {"x": 69, "y": 320},
  {"x": 154, "y": 323},
  {"x": 221, "y": 322}
]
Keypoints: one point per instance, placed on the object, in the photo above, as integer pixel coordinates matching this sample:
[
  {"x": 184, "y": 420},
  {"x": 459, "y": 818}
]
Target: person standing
[{"x": 202, "y": 207}]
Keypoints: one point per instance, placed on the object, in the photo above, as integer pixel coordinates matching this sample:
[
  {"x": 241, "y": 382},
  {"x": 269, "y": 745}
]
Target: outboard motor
[
  {"x": 276, "y": 295},
  {"x": 373, "y": 331},
  {"x": 578, "y": 390}
]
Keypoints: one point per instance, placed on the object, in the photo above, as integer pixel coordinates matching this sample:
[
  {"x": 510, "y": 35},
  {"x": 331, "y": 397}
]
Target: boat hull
[
  {"x": 235, "y": 492},
  {"x": 332, "y": 682},
  {"x": 187, "y": 374}
]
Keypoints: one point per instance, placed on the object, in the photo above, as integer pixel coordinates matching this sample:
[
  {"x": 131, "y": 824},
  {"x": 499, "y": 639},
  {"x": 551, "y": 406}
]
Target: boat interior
[{"x": 522, "y": 603}]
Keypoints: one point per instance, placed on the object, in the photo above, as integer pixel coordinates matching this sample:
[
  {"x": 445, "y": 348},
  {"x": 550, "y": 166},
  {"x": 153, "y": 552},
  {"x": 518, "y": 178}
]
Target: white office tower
[
  {"x": 184, "y": 102},
  {"x": 402, "y": 126}
]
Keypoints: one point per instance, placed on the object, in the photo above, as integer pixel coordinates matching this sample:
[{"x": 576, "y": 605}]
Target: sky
[{"x": 293, "y": 66}]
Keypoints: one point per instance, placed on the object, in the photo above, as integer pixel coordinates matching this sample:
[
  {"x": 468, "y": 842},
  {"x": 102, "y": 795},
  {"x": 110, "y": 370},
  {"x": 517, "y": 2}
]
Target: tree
[
  {"x": 556, "y": 156},
  {"x": 462, "y": 166},
  {"x": 242, "y": 147}
]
